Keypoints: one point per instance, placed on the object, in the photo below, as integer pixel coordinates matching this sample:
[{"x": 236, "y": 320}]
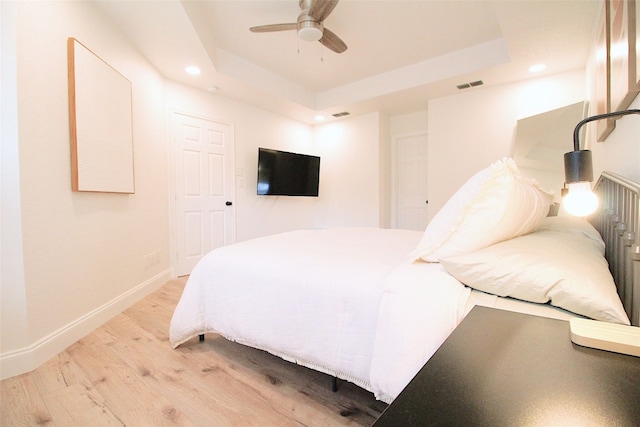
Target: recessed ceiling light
[
  {"x": 319, "y": 118},
  {"x": 537, "y": 68},
  {"x": 193, "y": 70}
]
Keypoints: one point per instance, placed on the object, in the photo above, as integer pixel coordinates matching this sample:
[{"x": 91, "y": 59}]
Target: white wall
[
  {"x": 13, "y": 302},
  {"x": 83, "y": 253},
  {"x": 82, "y": 258},
  {"x": 353, "y": 165},
  {"x": 471, "y": 130},
  {"x": 409, "y": 124},
  {"x": 620, "y": 152},
  {"x": 255, "y": 215},
  {"x": 350, "y": 172}
]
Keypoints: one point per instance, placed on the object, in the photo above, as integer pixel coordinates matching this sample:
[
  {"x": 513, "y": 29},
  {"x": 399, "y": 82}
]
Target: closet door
[
  {"x": 205, "y": 211},
  {"x": 411, "y": 210}
]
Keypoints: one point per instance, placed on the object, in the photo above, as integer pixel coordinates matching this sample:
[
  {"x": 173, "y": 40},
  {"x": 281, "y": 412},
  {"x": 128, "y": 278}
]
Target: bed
[{"x": 370, "y": 306}]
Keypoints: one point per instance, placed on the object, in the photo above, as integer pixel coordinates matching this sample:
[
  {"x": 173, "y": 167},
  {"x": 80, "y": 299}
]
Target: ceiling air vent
[
  {"x": 344, "y": 113},
  {"x": 470, "y": 84}
]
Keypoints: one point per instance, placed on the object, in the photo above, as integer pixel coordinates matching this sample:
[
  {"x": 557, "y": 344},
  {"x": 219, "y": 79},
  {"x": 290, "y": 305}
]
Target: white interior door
[
  {"x": 411, "y": 173},
  {"x": 204, "y": 188}
]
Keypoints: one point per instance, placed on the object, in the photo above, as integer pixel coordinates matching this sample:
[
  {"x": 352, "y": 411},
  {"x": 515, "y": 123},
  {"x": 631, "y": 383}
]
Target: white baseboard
[{"x": 26, "y": 359}]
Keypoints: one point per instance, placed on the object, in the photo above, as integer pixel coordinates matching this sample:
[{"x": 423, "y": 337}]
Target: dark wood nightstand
[{"x": 500, "y": 368}]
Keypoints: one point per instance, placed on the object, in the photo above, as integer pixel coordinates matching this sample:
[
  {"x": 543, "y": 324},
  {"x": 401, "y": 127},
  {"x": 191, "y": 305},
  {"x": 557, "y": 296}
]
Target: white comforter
[{"x": 344, "y": 301}]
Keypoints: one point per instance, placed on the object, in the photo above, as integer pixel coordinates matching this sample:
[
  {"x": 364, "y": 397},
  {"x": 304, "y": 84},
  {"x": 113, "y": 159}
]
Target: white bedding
[
  {"x": 352, "y": 303},
  {"x": 345, "y": 301}
]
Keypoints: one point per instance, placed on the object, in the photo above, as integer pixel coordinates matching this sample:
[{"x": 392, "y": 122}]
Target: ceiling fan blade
[
  {"x": 333, "y": 42},
  {"x": 320, "y": 9},
  {"x": 273, "y": 27}
]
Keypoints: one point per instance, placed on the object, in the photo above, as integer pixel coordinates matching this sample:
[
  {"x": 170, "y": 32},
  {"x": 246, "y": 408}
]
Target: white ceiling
[{"x": 400, "y": 53}]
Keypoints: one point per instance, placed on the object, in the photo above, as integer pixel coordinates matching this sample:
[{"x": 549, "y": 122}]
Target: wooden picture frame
[
  {"x": 100, "y": 124},
  {"x": 603, "y": 76},
  {"x": 635, "y": 12},
  {"x": 622, "y": 53}
]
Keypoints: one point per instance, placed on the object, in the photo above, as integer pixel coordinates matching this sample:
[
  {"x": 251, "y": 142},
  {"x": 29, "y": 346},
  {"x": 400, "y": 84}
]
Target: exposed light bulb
[{"x": 580, "y": 201}]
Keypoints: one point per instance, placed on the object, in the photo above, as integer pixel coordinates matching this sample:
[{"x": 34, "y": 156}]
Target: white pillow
[
  {"x": 564, "y": 266},
  {"x": 496, "y": 204},
  {"x": 574, "y": 225}
]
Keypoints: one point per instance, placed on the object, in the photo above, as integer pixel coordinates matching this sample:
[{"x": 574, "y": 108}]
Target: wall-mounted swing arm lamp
[{"x": 578, "y": 170}]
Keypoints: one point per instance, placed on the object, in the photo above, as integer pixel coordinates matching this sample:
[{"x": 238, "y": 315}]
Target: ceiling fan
[{"x": 310, "y": 24}]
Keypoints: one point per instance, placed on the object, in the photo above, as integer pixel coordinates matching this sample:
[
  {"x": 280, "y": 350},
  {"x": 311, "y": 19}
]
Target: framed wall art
[
  {"x": 622, "y": 53},
  {"x": 100, "y": 124},
  {"x": 603, "y": 76},
  {"x": 636, "y": 12}
]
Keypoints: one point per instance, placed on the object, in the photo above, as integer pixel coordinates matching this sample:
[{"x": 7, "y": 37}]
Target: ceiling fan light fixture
[
  {"x": 310, "y": 31},
  {"x": 310, "y": 25}
]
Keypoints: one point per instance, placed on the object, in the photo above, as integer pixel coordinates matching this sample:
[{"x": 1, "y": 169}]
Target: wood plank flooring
[{"x": 125, "y": 373}]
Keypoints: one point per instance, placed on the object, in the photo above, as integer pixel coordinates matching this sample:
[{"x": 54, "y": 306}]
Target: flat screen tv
[{"x": 281, "y": 173}]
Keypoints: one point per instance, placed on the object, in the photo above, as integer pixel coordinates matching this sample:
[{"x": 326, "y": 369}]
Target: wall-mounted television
[{"x": 281, "y": 173}]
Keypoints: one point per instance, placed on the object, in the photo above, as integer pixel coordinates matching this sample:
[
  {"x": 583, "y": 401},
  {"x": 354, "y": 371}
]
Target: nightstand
[{"x": 500, "y": 368}]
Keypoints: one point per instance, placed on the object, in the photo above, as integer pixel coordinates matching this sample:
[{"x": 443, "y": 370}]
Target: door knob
[{"x": 228, "y": 203}]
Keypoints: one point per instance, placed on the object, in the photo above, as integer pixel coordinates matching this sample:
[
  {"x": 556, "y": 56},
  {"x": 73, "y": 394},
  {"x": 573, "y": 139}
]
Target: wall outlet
[{"x": 151, "y": 259}]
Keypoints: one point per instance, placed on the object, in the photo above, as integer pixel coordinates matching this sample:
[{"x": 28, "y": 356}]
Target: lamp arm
[{"x": 576, "y": 131}]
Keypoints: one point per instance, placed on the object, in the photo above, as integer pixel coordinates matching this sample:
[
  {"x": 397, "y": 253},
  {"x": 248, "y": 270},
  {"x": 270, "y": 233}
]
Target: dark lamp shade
[{"x": 578, "y": 166}]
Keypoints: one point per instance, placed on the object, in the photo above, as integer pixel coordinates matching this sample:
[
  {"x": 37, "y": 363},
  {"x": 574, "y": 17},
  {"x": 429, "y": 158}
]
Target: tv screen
[{"x": 281, "y": 173}]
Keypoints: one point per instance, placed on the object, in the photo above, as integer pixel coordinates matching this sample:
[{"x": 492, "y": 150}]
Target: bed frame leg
[
  {"x": 201, "y": 337},
  {"x": 334, "y": 384}
]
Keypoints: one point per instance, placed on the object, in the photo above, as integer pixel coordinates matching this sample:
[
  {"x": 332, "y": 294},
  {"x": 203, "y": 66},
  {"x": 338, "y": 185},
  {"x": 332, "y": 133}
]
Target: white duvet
[{"x": 345, "y": 301}]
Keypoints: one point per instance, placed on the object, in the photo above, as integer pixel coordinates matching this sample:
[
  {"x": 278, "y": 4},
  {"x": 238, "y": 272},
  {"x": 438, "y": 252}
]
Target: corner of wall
[
  {"x": 14, "y": 327},
  {"x": 26, "y": 359}
]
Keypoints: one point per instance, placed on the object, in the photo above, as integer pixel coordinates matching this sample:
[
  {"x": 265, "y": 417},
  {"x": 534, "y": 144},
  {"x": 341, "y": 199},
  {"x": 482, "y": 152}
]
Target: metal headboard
[{"x": 618, "y": 221}]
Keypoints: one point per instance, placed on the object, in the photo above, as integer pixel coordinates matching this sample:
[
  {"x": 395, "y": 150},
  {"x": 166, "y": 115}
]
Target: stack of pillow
[{"x": 494, "y": 235}]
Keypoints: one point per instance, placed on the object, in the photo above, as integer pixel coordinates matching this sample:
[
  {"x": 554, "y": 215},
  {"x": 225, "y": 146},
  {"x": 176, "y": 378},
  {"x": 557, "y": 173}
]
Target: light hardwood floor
[{"x": 126, "y": 373}]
